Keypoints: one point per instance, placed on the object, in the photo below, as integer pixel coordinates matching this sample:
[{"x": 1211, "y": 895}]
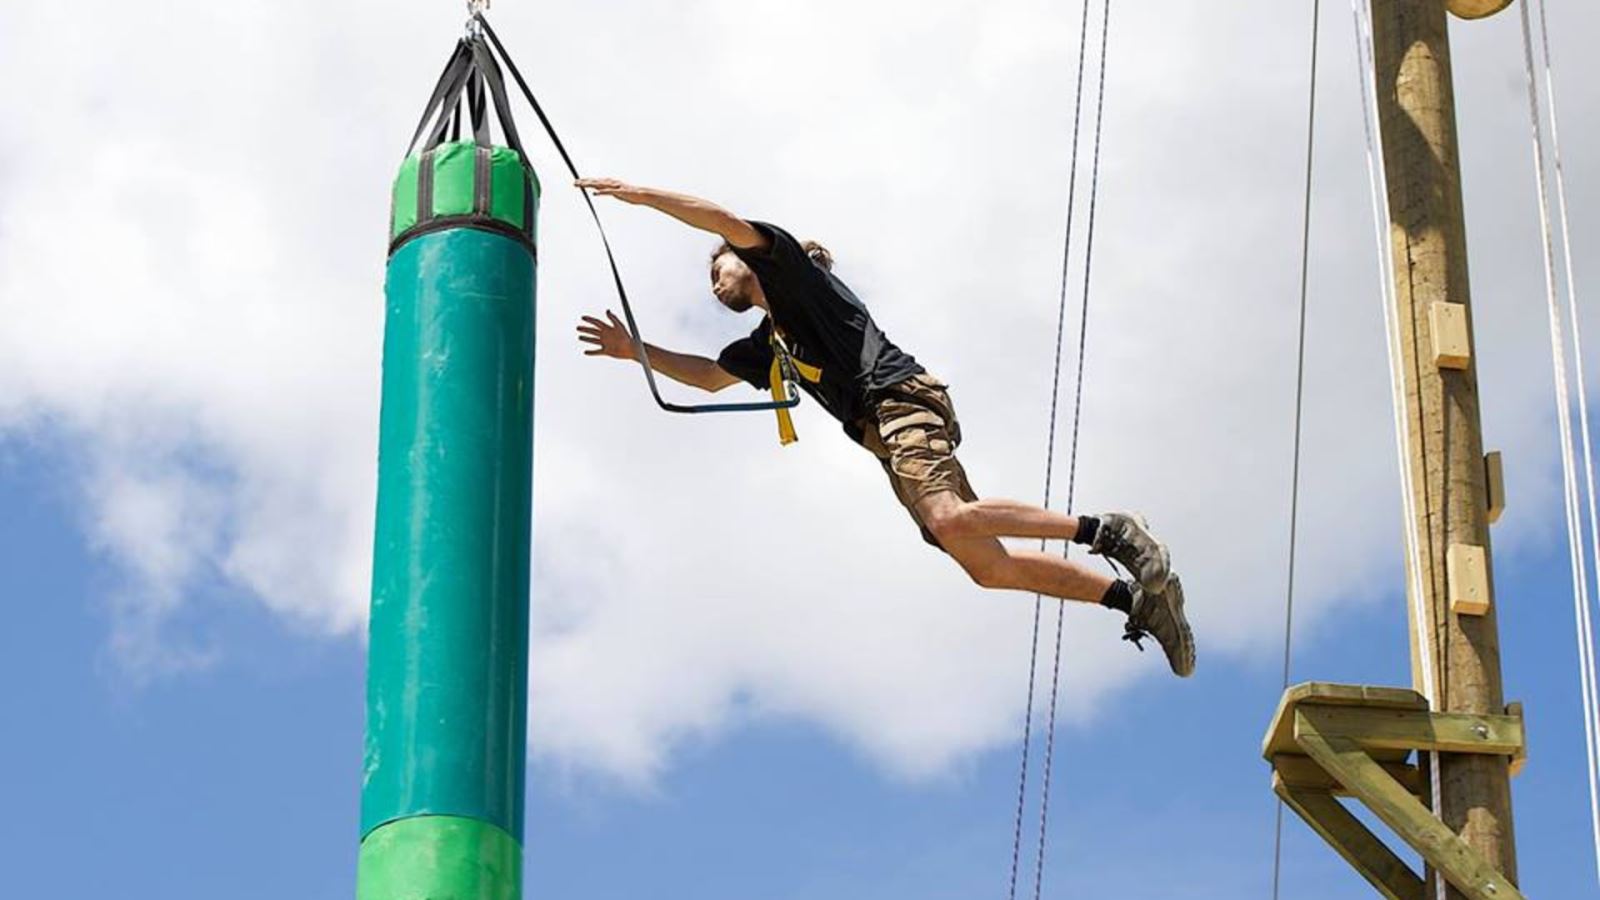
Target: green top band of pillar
[{"x": 461, "y": 183}]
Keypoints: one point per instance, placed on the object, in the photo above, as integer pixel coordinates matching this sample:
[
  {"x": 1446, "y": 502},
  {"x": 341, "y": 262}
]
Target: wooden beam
[
  {"x": 1280, "y": 734},
  {"x": 1519, "y": 760},
  {"x": 1355, "y": 842},
  {"x": 1303, "y": 772},
  {"x": 1460, "y": 864},
  {"x": 1398, "y": 729}
]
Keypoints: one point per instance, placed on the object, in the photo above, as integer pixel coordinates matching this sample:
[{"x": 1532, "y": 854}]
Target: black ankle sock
[
  {"x": 1119, "y": 596},
  {"x": 1088, "y": 526}
]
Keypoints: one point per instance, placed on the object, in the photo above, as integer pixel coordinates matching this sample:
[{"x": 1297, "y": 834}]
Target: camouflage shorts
[{"x": 914, "y": 433}]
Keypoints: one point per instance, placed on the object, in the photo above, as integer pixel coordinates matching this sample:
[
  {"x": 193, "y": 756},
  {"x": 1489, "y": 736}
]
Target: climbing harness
[
  {"x": 786, "y": 398},
  {"x": 786, "y": 370},
  {"x": 1072, "y": 469}
]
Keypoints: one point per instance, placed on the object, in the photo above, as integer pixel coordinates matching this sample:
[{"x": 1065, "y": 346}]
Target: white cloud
[{"x": 192, "y": 207}]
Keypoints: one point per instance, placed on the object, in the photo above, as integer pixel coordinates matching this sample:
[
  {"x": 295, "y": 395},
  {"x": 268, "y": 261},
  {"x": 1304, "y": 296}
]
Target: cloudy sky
[{"x": 193, "y": 201}]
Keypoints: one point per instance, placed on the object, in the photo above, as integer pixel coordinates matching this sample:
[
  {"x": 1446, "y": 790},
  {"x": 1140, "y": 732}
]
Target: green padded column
[
  {"x": 447, "y": 670},
  {"x": 439, "y": 858}
]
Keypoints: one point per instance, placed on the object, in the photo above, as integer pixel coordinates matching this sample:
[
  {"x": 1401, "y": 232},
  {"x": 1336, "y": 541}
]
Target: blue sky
[
  {"x": 244, "y": 781},
  {"x": 188, "y": 409}
]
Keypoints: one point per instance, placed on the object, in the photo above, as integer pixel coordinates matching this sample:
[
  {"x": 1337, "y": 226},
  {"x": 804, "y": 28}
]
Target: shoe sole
[{"x": 1182, "y": 667}]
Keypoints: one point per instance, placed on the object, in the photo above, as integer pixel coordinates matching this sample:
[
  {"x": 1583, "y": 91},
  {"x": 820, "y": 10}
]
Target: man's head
[{"x": 736, "y": 286}]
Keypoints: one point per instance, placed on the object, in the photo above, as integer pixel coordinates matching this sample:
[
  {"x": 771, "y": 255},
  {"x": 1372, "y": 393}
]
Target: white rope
[
  {"x": 1592, "y": 722},
  {"x": 1580, "y": 593},
  {"x": 1415, "y": 542}
]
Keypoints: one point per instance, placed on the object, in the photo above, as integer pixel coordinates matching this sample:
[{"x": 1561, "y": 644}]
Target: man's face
[{"x": 733, "y": 282}]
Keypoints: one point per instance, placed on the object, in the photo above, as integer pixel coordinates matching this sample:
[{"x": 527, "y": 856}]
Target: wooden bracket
[
  {"x": 1356, "y": 843},
  {"x": 1331, "y": 739},
  {"x": 1519, "y": 760},
  {"x": 1303, "y": 774}
]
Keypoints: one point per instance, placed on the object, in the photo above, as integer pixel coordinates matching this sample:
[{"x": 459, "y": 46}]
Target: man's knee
[{"x": 948, "y": 520}]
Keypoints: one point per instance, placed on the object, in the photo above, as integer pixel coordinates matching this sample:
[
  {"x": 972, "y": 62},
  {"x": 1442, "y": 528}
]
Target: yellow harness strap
[{"x": 775, "y": 376}]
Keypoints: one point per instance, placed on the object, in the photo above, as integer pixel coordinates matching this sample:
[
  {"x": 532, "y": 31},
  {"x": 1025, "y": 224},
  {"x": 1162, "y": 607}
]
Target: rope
[
  {"x": 1384, "y": 230},
  {"x": 1077, "y": 421},
  {"x": 1049, "y": 462},
  {"x": 1055, "y": 395},
  {"x": 1586, "y": 627},
  {"x": 1580, "y": 594},
  {"x": 1299, "y": 406}
]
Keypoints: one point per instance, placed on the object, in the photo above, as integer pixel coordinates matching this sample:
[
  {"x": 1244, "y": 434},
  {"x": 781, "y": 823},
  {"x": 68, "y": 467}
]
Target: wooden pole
[{"x": 1417, "y": 116}]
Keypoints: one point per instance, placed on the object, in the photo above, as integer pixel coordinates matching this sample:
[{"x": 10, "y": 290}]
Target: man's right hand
[{"x": 606, "y": 338}]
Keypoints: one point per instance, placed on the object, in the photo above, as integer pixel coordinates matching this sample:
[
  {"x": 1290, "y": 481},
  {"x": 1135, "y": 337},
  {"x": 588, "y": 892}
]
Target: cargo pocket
[
  {"x": 933, "y": 394},
  {"x": 912, "y": 434}
]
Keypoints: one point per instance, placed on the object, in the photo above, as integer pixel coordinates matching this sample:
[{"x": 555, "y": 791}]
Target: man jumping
[{"x": 816, "y": 328}]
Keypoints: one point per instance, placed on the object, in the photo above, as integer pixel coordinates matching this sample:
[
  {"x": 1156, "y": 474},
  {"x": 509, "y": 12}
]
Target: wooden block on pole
[
  {"x": 1447, "y": 323},
  {"x": 1467, "y": 577}
]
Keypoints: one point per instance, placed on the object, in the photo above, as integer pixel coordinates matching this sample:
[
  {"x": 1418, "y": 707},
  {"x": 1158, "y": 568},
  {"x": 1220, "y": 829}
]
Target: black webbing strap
[
  {"x": 640, "y": 354},
  {"x": 449, "y": 86},
  {"x": 490, "y": 70}
]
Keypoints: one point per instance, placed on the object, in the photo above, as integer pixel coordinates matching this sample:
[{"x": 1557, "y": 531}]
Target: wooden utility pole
[
  {"x": 1333, "y": 740},
  {"x": 1416, "y": 105}
]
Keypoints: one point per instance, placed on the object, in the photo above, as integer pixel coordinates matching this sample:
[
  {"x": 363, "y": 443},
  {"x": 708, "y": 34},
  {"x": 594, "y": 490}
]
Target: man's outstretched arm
[
  {"x": 611, "y": 339},
  {"x": 693, "y": 211}
]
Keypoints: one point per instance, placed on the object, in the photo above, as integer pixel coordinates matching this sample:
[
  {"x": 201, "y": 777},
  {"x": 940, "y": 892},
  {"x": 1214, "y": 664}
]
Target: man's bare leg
[
  {"x": 1120, "y": 536},
  {"x": 994, "y": 565},
  {"x": 1010, "y": 518},
  {"x": 1155, "y": 614}
]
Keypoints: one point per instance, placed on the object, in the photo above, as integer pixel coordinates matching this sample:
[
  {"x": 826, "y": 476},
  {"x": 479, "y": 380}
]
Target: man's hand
[
  {"x": 608, "y": 338},
  {"x": 611, "y": 187},
  {"x": 692, "y": 211},
  {"x": 612, "y": 339}
]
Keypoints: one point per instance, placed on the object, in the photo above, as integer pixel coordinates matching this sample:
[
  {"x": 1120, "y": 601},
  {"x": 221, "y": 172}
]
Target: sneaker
[
  {"x": 1160, "y": 616},
  {"x": 1125, "y": 537}
]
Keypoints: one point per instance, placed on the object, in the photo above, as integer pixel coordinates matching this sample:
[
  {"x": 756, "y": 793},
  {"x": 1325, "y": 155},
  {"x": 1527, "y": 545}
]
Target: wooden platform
[{"x": 1332, "y": 740}]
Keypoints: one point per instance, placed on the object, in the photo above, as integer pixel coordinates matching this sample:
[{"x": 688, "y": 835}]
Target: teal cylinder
[{"x": 448, "y": 655}]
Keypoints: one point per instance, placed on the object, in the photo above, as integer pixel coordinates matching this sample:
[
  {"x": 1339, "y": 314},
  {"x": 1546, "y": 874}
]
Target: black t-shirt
[{"x": 823, "y": 324}]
